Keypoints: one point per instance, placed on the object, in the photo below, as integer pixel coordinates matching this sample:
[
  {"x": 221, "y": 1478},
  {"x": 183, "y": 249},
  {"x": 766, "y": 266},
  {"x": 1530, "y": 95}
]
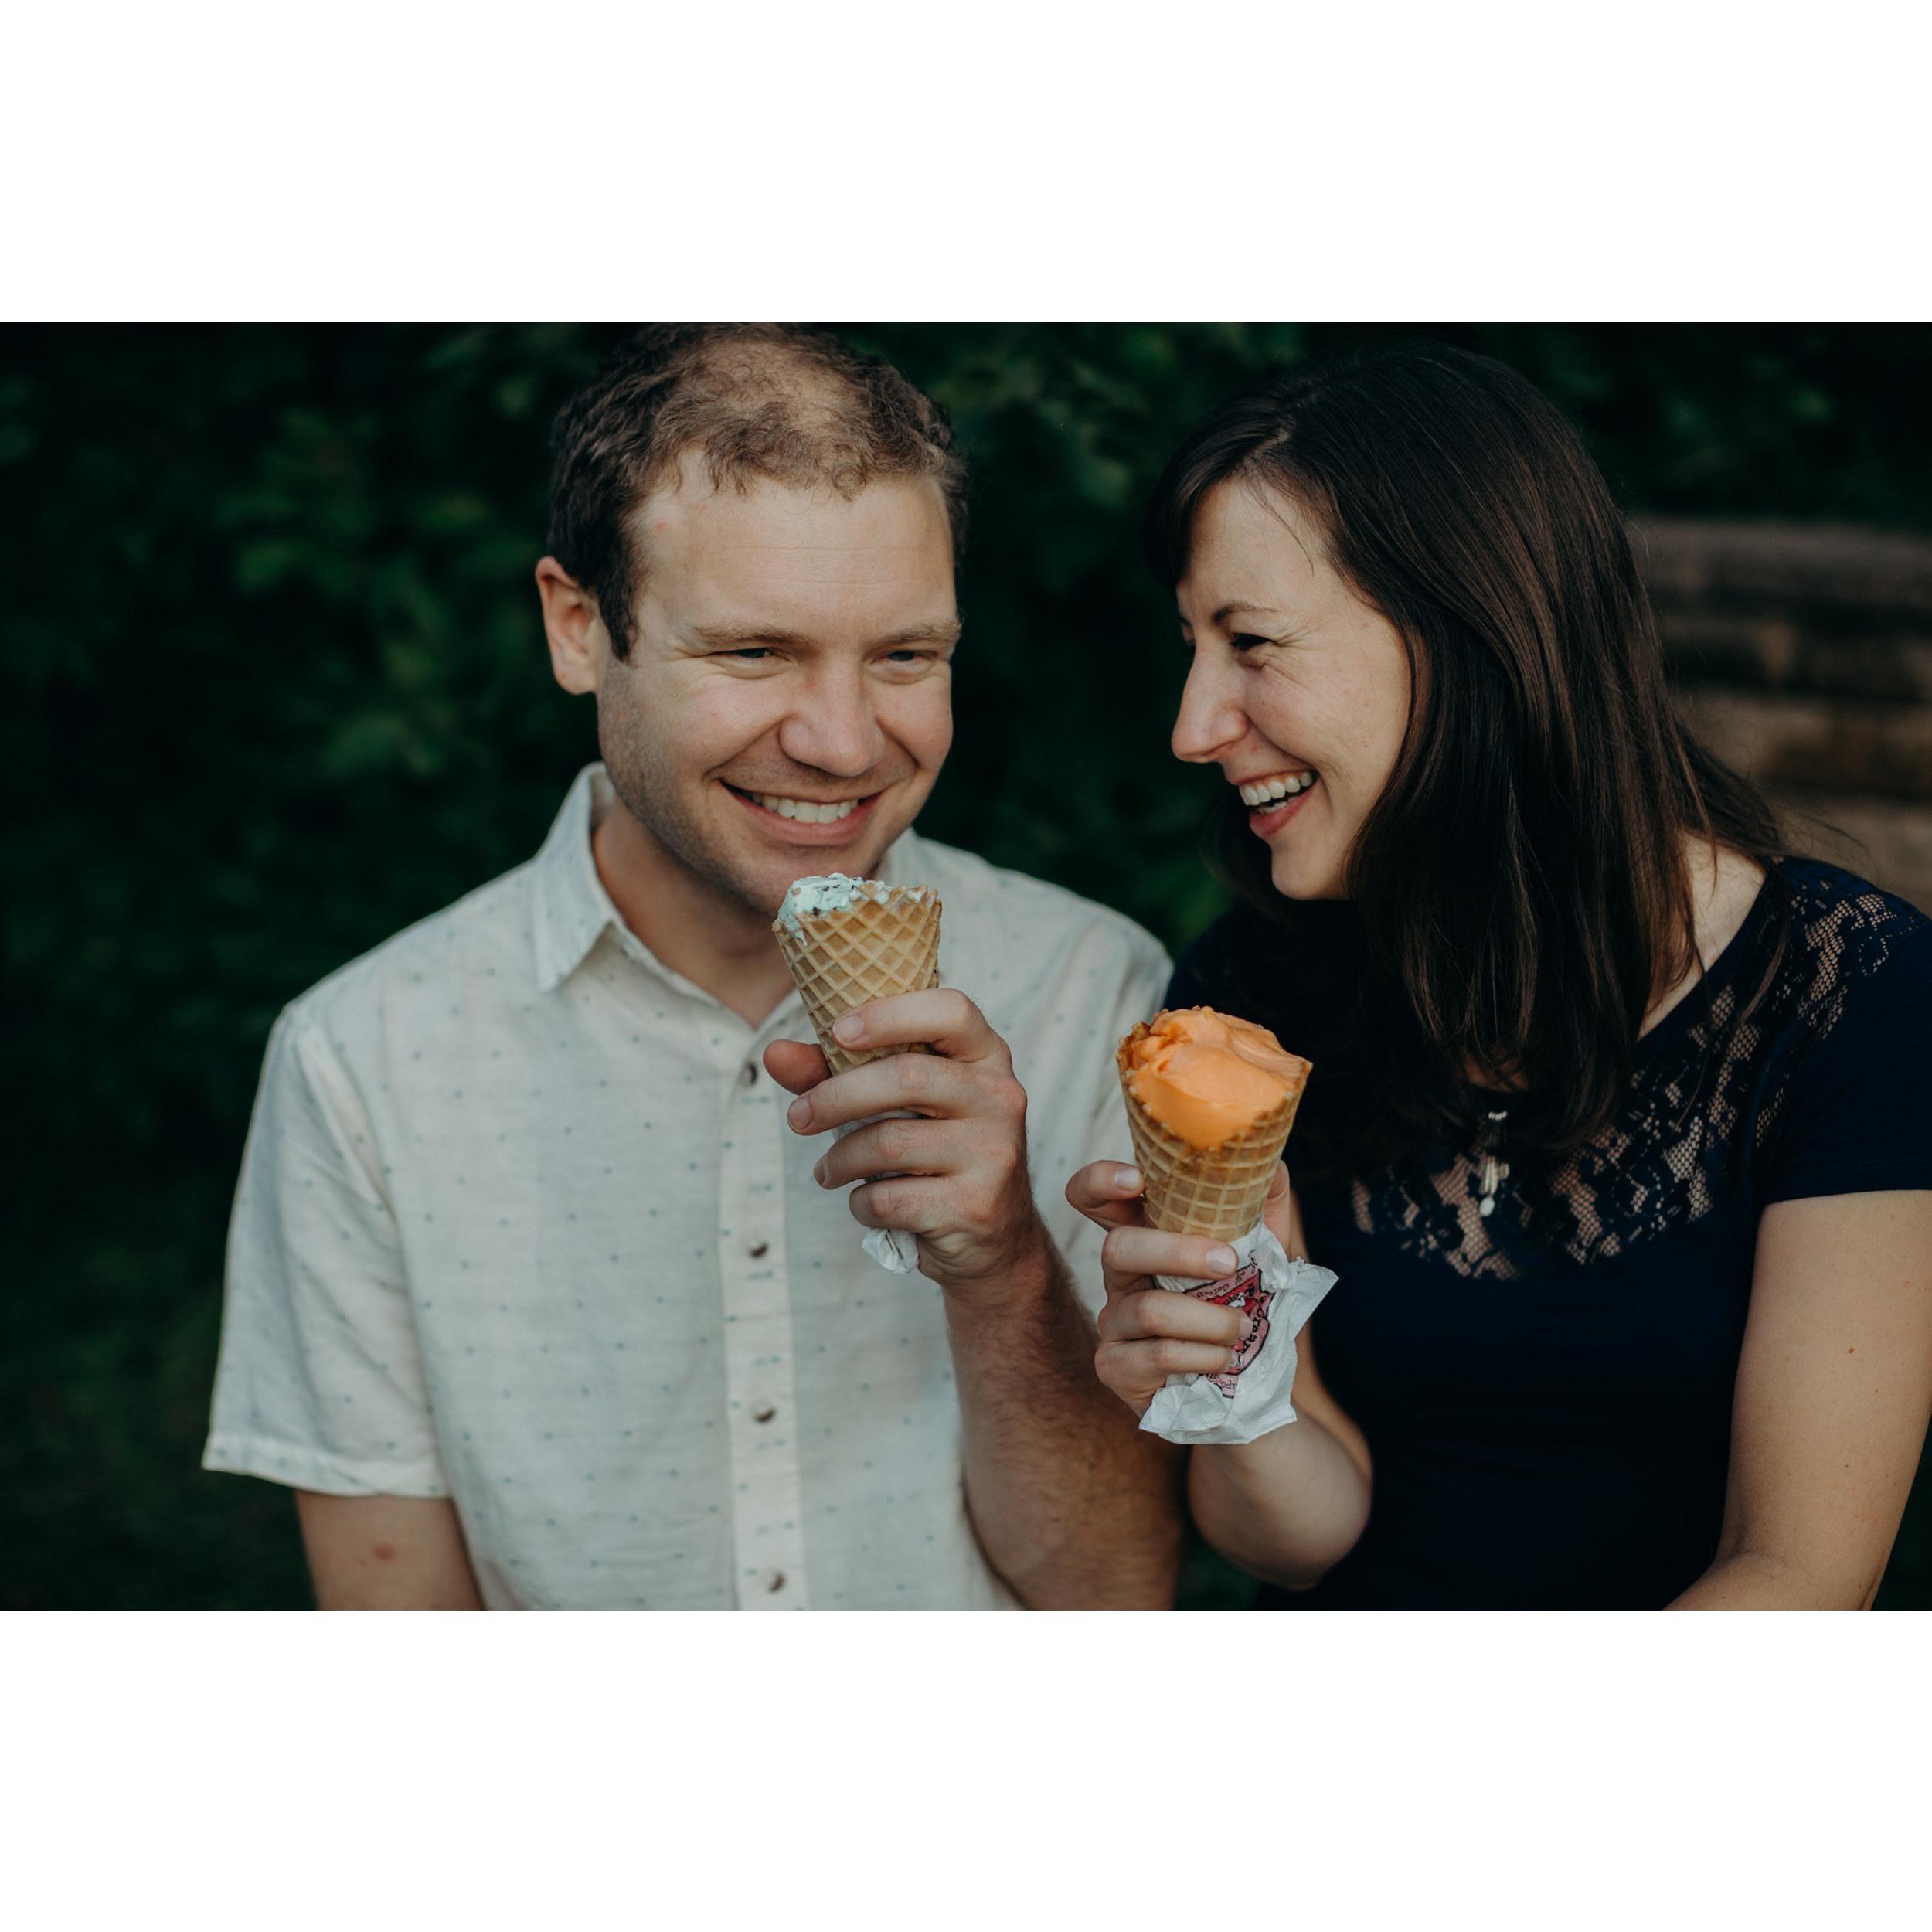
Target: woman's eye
[{"x": 1246, "y": 640}]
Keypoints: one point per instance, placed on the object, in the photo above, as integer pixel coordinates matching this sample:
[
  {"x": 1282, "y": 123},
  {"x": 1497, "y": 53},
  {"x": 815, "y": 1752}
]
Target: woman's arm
[
  {"x": 1288, "y": 1507},
  {"x": 1833, "y": 1391}
]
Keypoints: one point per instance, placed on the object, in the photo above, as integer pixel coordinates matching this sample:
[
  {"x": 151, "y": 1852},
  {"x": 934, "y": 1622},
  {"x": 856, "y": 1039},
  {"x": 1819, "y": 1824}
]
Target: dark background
[{"x": 272, "y": 685}]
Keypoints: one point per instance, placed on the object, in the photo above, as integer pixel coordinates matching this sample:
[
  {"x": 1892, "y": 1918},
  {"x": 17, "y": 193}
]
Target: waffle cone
[
  {"x": 1217, "y": 1191},
  {"x": 862, "y": 951}
]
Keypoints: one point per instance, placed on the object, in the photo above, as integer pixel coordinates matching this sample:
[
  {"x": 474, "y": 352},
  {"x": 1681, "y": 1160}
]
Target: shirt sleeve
[
  {"x": 1857, "y": 1119},
  {"x": 320, "y": 1382}
]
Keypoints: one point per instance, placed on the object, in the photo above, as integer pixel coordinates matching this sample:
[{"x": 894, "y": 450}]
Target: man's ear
[{"x": 580, "y": 645}]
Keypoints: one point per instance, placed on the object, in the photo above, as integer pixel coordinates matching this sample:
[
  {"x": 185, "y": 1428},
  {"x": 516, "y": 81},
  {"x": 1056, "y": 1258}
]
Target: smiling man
[{"x": 543, "y": 1288}]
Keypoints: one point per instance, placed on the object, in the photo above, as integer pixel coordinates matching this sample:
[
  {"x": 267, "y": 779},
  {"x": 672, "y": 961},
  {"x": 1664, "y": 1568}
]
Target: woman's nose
[
  {"x": 835, "y": 729},
  {"x": 1210, "y": 718}
]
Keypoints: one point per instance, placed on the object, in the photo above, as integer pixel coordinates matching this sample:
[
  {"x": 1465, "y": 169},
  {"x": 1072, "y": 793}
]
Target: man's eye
[
  {"x": 751, "y": 654},
  {"x": 909, "y": 657}
]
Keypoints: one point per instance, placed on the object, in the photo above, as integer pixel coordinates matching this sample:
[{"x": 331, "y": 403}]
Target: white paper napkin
[{"x": 1253, "y": 1397}]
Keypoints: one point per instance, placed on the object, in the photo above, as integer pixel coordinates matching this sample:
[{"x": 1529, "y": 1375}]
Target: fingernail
[
  {"x": 1128, "y": 1179},
  {"x": 849, "y": 1028},
  {"x": 1234, "y": 1357},
  {"x": 1248, "y": 1328},
  {"x": 818, "y": 1173},
  {"x": 799, "y": 1113},
  {"x": 1221, "y": 1260}
]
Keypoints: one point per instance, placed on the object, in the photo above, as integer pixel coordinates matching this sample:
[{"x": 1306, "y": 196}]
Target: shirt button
[
  {"x": 774, "y": 1579},
  {"x": 764, "y": 1413},
  {"x": 759, "y": 1250},
  {"x": 751, "y": 1072}
]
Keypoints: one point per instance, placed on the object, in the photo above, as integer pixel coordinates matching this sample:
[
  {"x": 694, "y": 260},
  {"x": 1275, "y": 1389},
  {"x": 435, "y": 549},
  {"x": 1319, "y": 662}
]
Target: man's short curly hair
[{"x": 795, "y": 406}]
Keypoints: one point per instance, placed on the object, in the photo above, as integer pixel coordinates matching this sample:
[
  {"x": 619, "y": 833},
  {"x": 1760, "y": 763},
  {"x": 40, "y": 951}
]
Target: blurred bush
[{"x": 272, "y": 685}]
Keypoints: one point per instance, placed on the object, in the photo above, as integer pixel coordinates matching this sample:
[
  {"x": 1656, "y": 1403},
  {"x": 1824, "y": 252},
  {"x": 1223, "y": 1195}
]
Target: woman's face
[{"x": 1298, "y": 690}]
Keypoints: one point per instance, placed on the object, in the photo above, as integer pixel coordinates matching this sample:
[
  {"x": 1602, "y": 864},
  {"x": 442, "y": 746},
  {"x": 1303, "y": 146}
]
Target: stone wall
[{"x": 1802, "y": 654}]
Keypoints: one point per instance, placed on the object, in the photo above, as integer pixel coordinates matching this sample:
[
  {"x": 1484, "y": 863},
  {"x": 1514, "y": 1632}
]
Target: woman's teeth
[
  {"x": 1263, "y": 791},
  {"x": 804, "y": 810}
]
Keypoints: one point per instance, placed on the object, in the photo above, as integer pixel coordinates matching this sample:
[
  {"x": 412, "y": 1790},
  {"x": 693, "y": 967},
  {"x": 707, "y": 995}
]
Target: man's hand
[{"x": 955, "y": 1173}]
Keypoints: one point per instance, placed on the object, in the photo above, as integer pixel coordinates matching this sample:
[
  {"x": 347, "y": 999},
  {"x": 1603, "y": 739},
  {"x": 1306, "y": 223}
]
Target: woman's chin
[{"x": 1293, "y": 877}]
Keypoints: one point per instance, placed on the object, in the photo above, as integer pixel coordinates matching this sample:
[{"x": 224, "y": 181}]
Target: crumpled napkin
[{"x": 1252, "y": 1398}]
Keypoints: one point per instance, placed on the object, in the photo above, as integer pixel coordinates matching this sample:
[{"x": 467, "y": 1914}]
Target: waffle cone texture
[
  {"x": 862, "y": 951},
  {"x": 1217, "y": 1191}
]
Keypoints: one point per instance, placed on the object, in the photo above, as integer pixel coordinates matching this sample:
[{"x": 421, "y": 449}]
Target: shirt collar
[{"x": 573, "y": 911}]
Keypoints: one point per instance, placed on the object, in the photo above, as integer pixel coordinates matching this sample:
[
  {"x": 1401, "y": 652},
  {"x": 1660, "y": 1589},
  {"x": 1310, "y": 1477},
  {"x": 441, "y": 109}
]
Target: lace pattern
[{"x": 1697, "y": 1111}]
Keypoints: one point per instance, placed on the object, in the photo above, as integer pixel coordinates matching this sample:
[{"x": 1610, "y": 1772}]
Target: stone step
[
  {"x": 1884, "y": 577},
  {"x": 1891, "y": 845},
  {"x": 1807, "y": 746},
  {"x": 1774, "y": 651}
]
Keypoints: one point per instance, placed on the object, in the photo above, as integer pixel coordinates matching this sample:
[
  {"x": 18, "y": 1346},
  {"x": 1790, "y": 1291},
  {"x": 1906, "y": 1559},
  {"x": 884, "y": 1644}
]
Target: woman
[{"x": 1617, "y": 1136}]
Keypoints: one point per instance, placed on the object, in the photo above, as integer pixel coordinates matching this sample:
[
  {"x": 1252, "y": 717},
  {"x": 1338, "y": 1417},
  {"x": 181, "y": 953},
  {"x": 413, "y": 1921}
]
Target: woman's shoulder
[
  {"x": 1847, "y": 1042},
  {"x": 1851, "y": 944}
]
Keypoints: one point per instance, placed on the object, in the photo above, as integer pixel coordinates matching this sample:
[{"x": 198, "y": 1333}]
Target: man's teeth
[
  {"x": 1264, "y": 790},
  {"x": 805, "y": 811}
]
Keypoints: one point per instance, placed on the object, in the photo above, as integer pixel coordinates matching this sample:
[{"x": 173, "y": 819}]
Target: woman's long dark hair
[{"x": 1518, "y": 897}]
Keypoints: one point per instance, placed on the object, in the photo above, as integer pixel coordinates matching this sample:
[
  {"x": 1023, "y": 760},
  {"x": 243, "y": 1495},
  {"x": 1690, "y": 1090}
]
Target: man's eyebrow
[{"x": 733, "y": 637}]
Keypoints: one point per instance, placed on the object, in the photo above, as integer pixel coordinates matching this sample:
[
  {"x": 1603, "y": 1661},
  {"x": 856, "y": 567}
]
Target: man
[{"x": 540, "y": 1292}]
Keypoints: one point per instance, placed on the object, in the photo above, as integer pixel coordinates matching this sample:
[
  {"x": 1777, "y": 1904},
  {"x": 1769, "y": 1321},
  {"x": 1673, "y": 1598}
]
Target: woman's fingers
[
  {"x": 1283, "y": 1214},
  {"x": 1129, "y": 1251},
  {"x": 1136, "y": 1371},
  {"x": 1159, "y": 1314},
  {"x": 1107, "y": 1192}
]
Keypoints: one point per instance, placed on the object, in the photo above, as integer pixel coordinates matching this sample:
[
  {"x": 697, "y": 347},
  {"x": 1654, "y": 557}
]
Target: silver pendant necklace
[{"x": 1494, "y": 1172}]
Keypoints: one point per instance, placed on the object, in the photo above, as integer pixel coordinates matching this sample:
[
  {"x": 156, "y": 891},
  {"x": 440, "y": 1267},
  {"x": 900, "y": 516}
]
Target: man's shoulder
[
  {"x": 1025, "y": 917},
  {"x": 479, "y": 947}
]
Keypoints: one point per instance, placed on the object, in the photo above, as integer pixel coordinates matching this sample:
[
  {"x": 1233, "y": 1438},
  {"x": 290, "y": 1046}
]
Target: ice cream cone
[
  {"x": 877, "y": 944},
  {"x": 1214, "y": 1191}
]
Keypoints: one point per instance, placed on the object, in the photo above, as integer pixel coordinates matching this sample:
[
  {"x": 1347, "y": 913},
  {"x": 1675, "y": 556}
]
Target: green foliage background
[{"x": 272, "y": 685}]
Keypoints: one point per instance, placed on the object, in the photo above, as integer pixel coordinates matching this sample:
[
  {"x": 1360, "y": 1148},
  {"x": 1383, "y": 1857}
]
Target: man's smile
[{"x": 805, "y": 821}]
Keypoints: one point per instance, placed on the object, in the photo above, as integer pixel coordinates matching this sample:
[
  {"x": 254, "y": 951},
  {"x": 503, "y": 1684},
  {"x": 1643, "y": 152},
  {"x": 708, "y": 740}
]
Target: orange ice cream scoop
[{"x": 1207, "y": 1076}]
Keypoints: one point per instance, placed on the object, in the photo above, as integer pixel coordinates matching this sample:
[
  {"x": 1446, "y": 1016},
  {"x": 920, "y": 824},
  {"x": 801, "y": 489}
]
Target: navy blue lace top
[{"x": 1547, "y": 1387}]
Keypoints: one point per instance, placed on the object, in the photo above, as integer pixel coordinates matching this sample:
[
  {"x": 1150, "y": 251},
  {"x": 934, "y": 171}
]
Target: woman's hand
[{"x": 1147, "y": 1332}]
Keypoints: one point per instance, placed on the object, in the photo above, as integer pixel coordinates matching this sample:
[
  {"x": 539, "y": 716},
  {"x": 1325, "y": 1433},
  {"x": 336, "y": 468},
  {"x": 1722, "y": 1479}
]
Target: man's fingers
[
  {"x": 796, "y": 1066},
  {"x": 892, "y": 1147},
  {"x": 1107, "y": 1192},
  {"x": 916, "y": 1206},
  {"x": 940, "y": 1018},
  {"x": 922, "y": 1081},
  {"x": 1129, "y": 1251}
]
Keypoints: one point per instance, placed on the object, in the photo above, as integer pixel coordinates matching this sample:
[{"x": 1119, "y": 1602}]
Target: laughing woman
[{"x": 1620, "y": 1135}]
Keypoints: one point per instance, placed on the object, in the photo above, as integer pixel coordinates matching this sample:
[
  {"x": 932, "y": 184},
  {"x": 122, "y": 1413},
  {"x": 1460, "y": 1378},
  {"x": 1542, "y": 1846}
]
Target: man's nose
[
  {"x": 1210, "y": 718},
  {"x": 833, "y": 728}
]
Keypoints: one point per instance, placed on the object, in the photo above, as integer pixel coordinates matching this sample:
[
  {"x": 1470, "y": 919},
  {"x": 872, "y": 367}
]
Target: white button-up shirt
[{"x": 521, "y": 1224}]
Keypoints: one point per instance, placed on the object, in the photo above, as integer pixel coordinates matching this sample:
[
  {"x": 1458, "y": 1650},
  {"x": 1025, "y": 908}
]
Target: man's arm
[
  {"x": 1834, "y": 1389},
  {"x": 386, "y": 1552},
  {"x": 1074, "y": 1507}
]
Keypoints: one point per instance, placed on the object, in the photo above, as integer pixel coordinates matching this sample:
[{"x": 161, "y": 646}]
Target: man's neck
[{"x": 715, "y": 941}]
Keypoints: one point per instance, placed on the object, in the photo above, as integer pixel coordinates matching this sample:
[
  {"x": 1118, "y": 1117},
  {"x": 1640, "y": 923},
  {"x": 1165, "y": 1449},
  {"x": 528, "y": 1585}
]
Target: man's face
[{"x": 788, "y": 701}]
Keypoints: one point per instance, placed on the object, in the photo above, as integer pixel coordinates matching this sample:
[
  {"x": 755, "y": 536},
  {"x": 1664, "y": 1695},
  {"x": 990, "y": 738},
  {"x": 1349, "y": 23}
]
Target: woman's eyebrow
[{"x": 1244, "y": 605}]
